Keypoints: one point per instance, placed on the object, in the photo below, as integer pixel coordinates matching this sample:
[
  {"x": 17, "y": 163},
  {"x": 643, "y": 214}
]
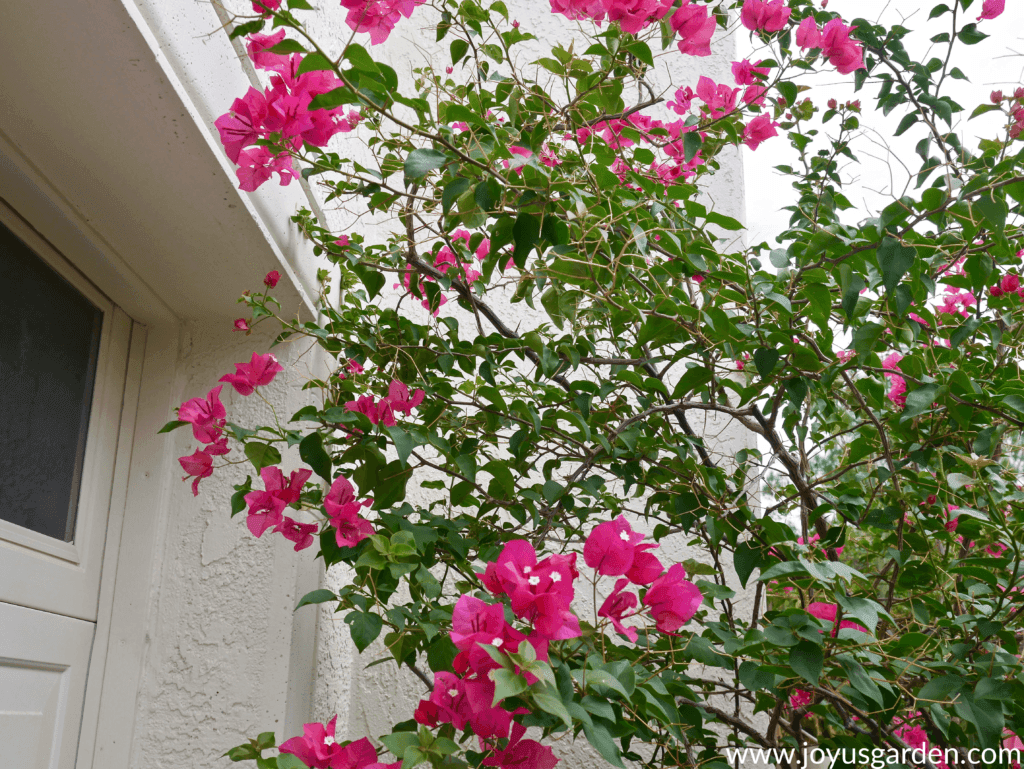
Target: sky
[{"x": 995, "y": 63}]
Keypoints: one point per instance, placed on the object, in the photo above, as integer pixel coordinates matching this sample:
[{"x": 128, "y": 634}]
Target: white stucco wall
[{"x": 221, "y": 636}]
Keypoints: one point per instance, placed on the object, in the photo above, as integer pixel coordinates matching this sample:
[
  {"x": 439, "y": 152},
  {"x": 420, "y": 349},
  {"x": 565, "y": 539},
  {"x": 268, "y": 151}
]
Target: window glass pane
[{"x": 49, "y": 340}]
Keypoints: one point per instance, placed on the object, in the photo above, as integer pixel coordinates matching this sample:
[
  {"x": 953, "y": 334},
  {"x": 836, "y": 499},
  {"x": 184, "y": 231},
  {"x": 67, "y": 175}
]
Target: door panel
[{"x": 43, "y": 663}]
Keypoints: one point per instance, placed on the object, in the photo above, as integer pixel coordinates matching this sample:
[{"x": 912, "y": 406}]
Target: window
[{"x": 49, "y": 344}]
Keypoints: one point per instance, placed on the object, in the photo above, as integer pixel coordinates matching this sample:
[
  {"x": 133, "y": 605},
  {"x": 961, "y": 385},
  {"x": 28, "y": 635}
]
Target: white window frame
[{"x": 41, "y": 572}]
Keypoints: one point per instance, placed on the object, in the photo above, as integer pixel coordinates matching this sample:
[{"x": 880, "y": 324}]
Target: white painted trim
[
  {"x": 115, "y": 524},
  {"x": 138, "y": 566},
  {"x": 44, "y": 209}
]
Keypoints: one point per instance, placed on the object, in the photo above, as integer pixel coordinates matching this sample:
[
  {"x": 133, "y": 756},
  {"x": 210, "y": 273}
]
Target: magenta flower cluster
[
  {"x": 279, "y": 113},
  {"x": 540, "y": 594}
]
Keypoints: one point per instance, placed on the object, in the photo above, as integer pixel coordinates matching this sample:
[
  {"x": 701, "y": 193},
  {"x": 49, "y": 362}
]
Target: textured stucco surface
[
  {"x": 220, "y": 654},
  {"x": 219, "y": 651}
]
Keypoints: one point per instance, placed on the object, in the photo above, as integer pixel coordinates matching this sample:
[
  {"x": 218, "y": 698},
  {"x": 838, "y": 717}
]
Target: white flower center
[
  {"x": 328, "y": 740},
  {"x": 534, "y": 580},
  {"x": 453, "y": 692},
  {"x": 527, "y": 569},
  {"x": 498, "y": 642},
  {"x": 624, "y": 536},
  {"x": 556, "y": 577}
]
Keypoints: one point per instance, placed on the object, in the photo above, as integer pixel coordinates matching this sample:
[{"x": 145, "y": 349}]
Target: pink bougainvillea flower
[
  {"x": 618, "y": 606},
  {"x": 259, "y": 371},
  {"x": 241, "y": 324},
  {"x": 378, "y": 17},
  {"x": 366, "y": 406},
  {"x": 720, "y": 99},
  {"x": 447, "y": 704},
  {"x": 758, "y": 130},
  {"x": 257, "y": 164},
  {"x": 672, "y": 599},
  {"x": 990, "y": 9},
  {"x": 996, "y": 549},
  {"x": 265, "y": 511},
  {"x": 579, "y": 9},
  {"x": 522, "y": 754},
  {"x": 198, "y": 465},
  {"x": 475, "y": 622},
  {"x": 399, "y": 398},
  {"x": 828, "y": 612},
  {"x": 765, "y": 15},
  {"x": 807, "y": 34},
  {"x": 917, "y": 739},
  {"x": 264, "y": 7},
  {"x": 683, "y": 100},
  {"x": 271, "y": 279},
  {"x": 541, "y": 593},
  {"x": 343, "y": 513},
  {"x": 241, "y": 125},
  {"x": 1009, "y": 283},
  {"x": 645, "y": 567},
  {"x": 800, "y": 699},
  {"x": 635, "y": 15},
  {"x": 207, "y": 416},
  {"x": 288, "y": 491},
  {"x": 956, "y": 302},
  {"x": 318, "y": 749},
  {"x": 694, "y": 27},
  {"x": 745, "y": 73},
  {"x": 842, "y": 52},
  {"x": 611, "y": 547},
  {"x": 257, "y": 44},
  {"x": 897, "y": 384},
  {"x": 299, "y": 533}
]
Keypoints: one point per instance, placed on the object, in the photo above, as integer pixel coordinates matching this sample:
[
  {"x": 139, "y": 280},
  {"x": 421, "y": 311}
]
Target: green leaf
[
  {"x": 399, "y": 742},
  {"x": 288, "y": 45},
  {"x": 289, "y": 761},
  {"x": 746, "y": 558},
  {"x": 458, "y": 49},
  {"x": 993, "y": 210},
  {"x": 765, "y": 360},
  {"x": 262, "y": 454},
  {"x": 600, "y": 737},
  {"x": 807, "y": 659},
  {"x": 970, "y": 35},
  {"x": 453, "y": 190},
  {"x": 507, "y": 684},
  {"x": 315, "y": 62},
  {"x": 172, "y": 425},
  {"x": 920, "y": 399},
  {"x": 547, "y": 698},
  {"x": 404, "y": 443},
  {"x": 525, "y": 233},
  {"x": 316, "y": 596},
  {"x": 419, "y": 162},
  {"x": 359, "y": 58},
  {"x": 894, "y": 260},
  {"x": 248, "y": 28},
  {"x": 957, "y": 481},
  {"x": 939, "y": 689},
  {"x": 364, "y": 627},
  {"x": 691, "y": 145},
  {"x": 601, "y": 678},
  {"x": 311, "y": 450}
]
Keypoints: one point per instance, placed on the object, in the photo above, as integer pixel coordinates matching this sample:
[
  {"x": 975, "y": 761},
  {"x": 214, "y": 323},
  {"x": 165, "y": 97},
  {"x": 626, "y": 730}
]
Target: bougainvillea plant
[{"x": 547, "y": 312}]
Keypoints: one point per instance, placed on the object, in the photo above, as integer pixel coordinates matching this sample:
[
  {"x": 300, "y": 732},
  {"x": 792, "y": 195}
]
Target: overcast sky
[{"x": 995, "y": 63}]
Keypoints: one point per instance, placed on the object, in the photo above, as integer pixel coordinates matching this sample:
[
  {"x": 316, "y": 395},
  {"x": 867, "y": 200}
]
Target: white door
[{"x": 63, "y": 355}]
